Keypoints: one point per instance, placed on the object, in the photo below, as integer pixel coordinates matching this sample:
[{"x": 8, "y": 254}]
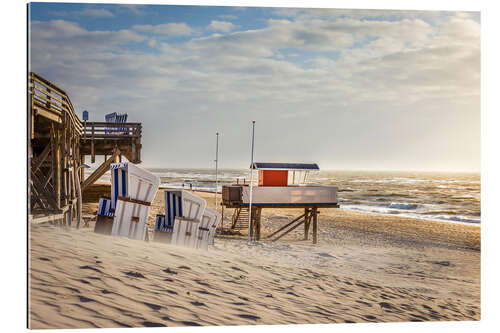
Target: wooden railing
[
  {"x": 52, "y": 102},
  {"x": 103, "y": 130}
]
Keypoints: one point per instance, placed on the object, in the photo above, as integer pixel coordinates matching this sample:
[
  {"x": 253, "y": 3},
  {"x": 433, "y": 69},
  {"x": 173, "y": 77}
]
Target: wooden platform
[{"x": 58, "y": 142}]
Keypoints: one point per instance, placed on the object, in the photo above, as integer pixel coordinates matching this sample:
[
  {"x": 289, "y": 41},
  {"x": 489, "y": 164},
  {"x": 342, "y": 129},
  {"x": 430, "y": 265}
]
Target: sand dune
[{"x": 366, "y": 268}]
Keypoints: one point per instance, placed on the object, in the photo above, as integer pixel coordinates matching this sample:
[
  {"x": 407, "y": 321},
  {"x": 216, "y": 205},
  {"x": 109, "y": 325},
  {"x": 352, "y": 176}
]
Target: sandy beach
[{"x": 366, "y": 268}]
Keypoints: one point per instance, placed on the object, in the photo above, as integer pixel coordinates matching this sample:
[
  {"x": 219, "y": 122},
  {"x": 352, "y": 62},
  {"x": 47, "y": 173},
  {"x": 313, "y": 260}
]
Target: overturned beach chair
[
  {"x": 132, "y": 191},
  {"x": 206, "y": 229},
  {"x": 184, "y": 211}
]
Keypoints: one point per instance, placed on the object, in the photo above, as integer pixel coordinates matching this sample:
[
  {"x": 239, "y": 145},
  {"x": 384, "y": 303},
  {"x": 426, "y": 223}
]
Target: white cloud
[
  {"x": 172, "y": 29},
  {"x": 383, "y": 69},
  {"x": 91, "y": 12},
  {"x": 228, "y": 17},
  {"x": 221, "y": 26},
  {"x": 97, "y": 12}
]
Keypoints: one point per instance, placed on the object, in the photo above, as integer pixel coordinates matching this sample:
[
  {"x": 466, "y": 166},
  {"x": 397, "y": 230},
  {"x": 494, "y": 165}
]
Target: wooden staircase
[{"x": 240, "y": 218}]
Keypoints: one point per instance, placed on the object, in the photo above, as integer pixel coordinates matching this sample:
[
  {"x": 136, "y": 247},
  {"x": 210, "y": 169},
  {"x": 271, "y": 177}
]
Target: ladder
[{"x": 240, "y": 218}]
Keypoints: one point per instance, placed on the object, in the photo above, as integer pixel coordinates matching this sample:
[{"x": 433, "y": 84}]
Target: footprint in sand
[
  {"x": 196, "y": 303},
  {"x": 134, "y": 274},
  {"x": 169, "y": 271},
  {"x": 152, "y": 324},
  {"x": 189, "y": 323},
  {"x": 91, "y": 268},
  {"x": 442, "y": 263},
  {"x": 152, "y": 306},
  {"x": 238, "y": 269},
  {"x": 84, "y": 299},
  {"x": 44, "y": 259},
  {"x": 385, "y": 305},
  {"x": 325, "y": 255},
  {"x": 248, "y": 316},
  {"x": 73, "y": 289}
]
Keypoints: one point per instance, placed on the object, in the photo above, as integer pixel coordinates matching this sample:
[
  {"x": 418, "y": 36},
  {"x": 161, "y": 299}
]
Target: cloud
[
  {"x": 97, "y": 12},
  {"x": 135, "y": 9},
  {"x": 386, "y": 73},
  {"x": 228, "y": 17},
  {"x": 221, "y": 26},
  {"x": 88, "y": 12},
  {"x": 172, "y": 29}
]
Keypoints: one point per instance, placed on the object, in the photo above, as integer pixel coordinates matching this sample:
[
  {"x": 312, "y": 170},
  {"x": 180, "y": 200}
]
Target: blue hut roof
[{"x": 284, "y": 166}]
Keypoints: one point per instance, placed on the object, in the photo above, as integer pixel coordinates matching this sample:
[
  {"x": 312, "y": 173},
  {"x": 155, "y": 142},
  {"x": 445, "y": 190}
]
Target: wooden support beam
[
  {"x": 289, "y": 230},
  {"x": 92, "y": 148},
  {"x": 101, "y": 170},
  {"x": 36, "y": 162},
  {"x": 315, "y": 225},
  {"x": 307, "y": 223},
  {"x": 258, "y": 222},
  {"x": 285, "y": 226},
  {"x": 42, "y": 193},
  {"x": 56, "y": 165}
]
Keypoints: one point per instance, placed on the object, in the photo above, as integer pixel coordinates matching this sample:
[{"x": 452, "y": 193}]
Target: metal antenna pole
[
  {"x": 216, "y": 168},
  {"x": 251, "y": 185}
]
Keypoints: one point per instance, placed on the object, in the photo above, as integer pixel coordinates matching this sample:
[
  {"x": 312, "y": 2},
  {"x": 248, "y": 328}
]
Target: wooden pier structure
[{"x": 58, "y": 142}]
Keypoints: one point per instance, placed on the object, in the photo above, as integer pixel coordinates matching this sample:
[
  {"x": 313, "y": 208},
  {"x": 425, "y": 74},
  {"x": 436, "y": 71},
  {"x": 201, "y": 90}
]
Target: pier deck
[{"x": 58, "y": 142}]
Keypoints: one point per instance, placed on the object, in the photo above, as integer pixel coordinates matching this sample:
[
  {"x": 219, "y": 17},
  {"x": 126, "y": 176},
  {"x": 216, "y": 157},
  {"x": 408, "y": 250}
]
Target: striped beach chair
[
  {"x": 115, "y": 118},
  {"x": 185, "y": 211},
  {"x": 163, "y": 225},
  {"x": 132, "y": 191},
  {"x": 206, "y": 228},
  {"x": 213, "y": 227},
  {"x": 105, "y": 208},
  {"x": 104, "y": 218}
]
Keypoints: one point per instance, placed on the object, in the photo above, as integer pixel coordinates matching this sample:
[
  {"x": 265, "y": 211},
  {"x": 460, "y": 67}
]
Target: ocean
[{"x": 452, "y": 197}]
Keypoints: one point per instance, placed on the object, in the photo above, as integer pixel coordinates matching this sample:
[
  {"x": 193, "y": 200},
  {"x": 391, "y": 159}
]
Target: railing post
[{"x": 92, "y": 151}]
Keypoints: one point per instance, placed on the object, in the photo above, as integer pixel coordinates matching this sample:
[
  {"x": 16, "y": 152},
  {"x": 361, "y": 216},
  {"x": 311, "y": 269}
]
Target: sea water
[{"x": 453, "y": 197}]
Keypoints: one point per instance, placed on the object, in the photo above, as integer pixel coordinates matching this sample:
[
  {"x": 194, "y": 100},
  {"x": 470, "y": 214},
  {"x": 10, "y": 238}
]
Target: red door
[{"x": 273, "y": 177}]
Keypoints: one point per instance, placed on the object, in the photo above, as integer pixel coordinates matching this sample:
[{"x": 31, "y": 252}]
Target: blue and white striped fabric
[
  {"x": 119, "y": 182},
  {"x": 115, "y": 119},
  {"x": 104, "y": 207},
  {"x": 161, "y": 225},
  {"x": 173, "y": 207}
]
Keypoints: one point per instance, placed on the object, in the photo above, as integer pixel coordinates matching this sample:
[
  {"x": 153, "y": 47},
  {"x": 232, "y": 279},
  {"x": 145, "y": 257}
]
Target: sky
[{"x": 347, "y": 89}]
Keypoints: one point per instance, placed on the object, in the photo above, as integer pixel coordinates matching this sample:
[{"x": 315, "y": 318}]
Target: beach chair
[
  {"x": 132, "y": 191},
  {"x": 185, "y": 210},
  {"x": 104, "y": 218},
  {"x": 163, "y": 230},
  {"x": 213, "y": 227},
  {"x": 206, "y": 228},
  {"x": 115, "y": 118}
]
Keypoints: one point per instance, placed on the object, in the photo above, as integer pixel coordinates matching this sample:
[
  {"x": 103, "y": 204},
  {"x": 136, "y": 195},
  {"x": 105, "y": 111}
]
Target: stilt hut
[{"x": 279, "y": 185}]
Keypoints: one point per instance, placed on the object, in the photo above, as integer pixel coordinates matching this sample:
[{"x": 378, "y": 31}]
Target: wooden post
[
  {"x": 92, "y": 150},
  {"x": 315, "y": 225},
  {"x": 134, "y": 152},
  {"x": 307, "y": 223},
  {"x": 82, "y": 170},
  {"x": 56, "y": 165},
  {"x": 257, "y": 224},
  {"x": 222, "y": 219}
]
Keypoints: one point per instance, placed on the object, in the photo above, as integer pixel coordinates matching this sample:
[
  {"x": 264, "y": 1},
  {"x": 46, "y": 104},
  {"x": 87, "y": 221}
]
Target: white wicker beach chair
[
  {"x": 213, "y": 226},
  {"x": 132, "y": 191},
  {"x": 206, "y": 228},
  {"x": 186, "y": 210}
]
